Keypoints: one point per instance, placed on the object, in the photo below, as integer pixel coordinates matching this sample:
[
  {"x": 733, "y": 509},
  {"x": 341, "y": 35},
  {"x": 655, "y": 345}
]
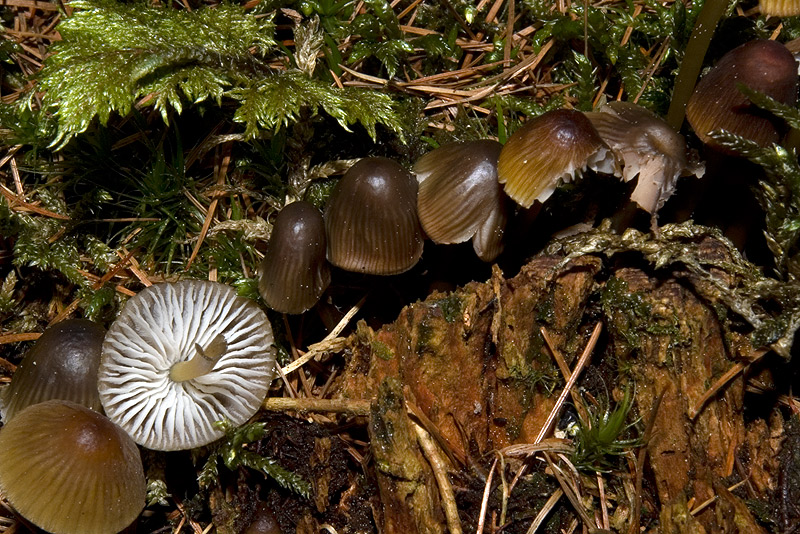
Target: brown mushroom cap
[
  {"x": 649, "y": 148},
  {"x": 220, "y": 342},
  {"x": 459, "y": 196},
  {"x": 553, "y": 148},
  {"x": 62, "y": 364},
  {"x": 717, "y": 104},
  {"x": 371, "y": 219},
  {"x": 70, "y": 470},
  {"x": 294, "y": 272}
]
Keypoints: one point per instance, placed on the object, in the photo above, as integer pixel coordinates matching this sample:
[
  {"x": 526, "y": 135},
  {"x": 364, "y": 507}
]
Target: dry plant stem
[
  {"x": 543, "y": 513},
  {"x": 487, "y": 489},
  {"x": 729, "y": 375},
  {"x": 222, "y": 171},
  {"x": 565, "y": 371},
  {"x": 343, "y": 406},
  {"x": 705, "y": 504},
  {"x": 587, "y": 352},
  {"x": 314, "y": 351},
  {"x": 571, "y": 494},
  {"x": 456, "y": 458},
  {"x": 440, "y": 472}
]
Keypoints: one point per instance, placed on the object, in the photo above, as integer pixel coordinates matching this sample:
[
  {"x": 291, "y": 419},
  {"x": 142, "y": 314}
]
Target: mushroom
[
  {"x": 649, "y": 148},
  {"x": 460, "y": 198},
  {"x": 553, "y": 148},
  {"x": 717, "y": 103},
  {"x": 294, "y": 272},
  {"x": 182, "y": 356},
  {"x": 371, "y": 219},
  {"x": 62, "y": 364},
  {"x": 70, "y": 470}
]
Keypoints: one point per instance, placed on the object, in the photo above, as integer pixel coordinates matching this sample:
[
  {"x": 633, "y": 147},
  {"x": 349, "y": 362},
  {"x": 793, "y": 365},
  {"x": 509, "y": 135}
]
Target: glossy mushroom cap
[
  {"x": 649, "y": 148},
  {"x": 295, "y": 272},
  {"x": 717, "y": 104},
  {"x": 70, "y": 470},
  {"x": 181, "y": 356},
  {"x": 62, "y": 364},
  {"x": 371, "y": 219},
  {"x": 551, "y": 149},
  {"x": 460, "y": 198}
]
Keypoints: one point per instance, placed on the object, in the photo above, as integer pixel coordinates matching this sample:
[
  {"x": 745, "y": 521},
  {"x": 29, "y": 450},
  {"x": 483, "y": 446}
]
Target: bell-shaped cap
[
  {"x": 553, "y": 148},
  {"x": 182, "y": 356},
  {"x": 371, "y": 219},
  {"x": 648, "y": 148},
  {"x": 459, "y": 196},
  {"x": 69, "y": 470},
  {"x": 717, "y": 104},
  {"x": 294, "y": 272},
  {"x": 62, "y": 364}
]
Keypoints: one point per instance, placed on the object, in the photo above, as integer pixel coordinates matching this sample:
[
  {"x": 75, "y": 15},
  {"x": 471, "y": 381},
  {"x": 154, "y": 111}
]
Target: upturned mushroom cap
[
  {"x": 553, "y": 148},
  {"x": 460, "y": 198},
  {"x": 294, "y": 272},
  {"x": 181, "y": 356},
  {"x": 62, "y": 364},
  {"x": 70, "y": 470},
  {"x": 648, "y": 148},
  {"x": 717, "y": 104},
  {"x": 371, "y": 219}
]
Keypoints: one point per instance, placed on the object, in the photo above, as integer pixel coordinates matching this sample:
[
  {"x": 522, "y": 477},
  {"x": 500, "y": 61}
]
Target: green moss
[
  {"x": 381, "y": 350},
  {"x": 451, "y": 307}
]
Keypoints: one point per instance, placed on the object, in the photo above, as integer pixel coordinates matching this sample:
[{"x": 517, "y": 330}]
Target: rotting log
[{"x": 475, "y": 364}]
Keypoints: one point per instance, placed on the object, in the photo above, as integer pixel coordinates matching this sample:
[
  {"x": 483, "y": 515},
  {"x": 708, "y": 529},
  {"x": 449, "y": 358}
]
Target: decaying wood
[{"x": 475, "y": 364}]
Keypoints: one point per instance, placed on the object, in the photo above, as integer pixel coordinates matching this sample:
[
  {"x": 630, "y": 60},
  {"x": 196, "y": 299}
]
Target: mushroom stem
[{"x": 202, "y": 363}]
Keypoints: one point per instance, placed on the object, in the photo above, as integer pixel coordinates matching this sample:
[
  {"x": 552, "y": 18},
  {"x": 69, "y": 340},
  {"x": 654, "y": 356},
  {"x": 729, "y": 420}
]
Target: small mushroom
[
  {"x": 649, "y": 148},
  {"x": 70, "y": 470},
  {"x": 371, "y": 219},
  {"x": 460, "y": 198},
  {"x": 717, "y": 103},
  {"x": 182, "y": 356},
  {"x": 62, "y": 364},
  {"x": 553, "y": 148},
  {"x": 294, "y": 272}
]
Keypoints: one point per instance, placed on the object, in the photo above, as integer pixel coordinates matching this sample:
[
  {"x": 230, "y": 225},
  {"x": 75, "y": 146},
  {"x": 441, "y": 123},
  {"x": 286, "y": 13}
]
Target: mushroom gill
[
  {"x": 182, "y": 356},
  {"x": 648, "y": 148}
]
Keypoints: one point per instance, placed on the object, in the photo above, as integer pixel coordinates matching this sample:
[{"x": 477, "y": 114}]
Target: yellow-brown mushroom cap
[
  {"x": 553, "y": 148},
  {"x": 70, "y": 470}
]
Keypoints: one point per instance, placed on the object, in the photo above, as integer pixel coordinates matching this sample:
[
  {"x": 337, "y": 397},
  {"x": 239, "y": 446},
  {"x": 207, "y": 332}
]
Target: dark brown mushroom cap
[
  {"x": 553, "y": 148},
  {"x": 70, "y": 470},
  {"x": 371, "y": 219},
  {"x": 648, "y": 148},
  {"x": 62, "y": 364},
  {"x": 169, "y": 325},
  {"x": 294, "y": 272},
  {"x": 459, "y": 194},
  {"x": 717, "y": 104}
]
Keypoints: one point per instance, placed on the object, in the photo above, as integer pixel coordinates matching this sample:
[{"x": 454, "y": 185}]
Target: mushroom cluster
[{"x": 378, "y": 215}]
